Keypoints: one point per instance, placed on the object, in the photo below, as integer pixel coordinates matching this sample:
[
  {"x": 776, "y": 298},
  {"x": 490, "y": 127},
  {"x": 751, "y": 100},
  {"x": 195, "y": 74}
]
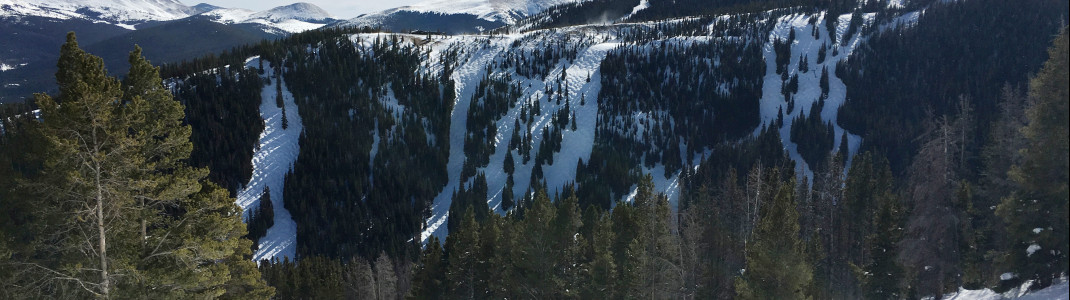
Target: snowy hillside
[
  {"x": 292, "y": 18},
  {"x": 128, "y": 14},
  {"x": 506, "y": 11},
  {"x": 274, "y": 156},
  {"x": 465, "y": 16},
  {"x": 117, "y": 12},
  {"x": 298, "y": 11},
  {"x": 1058, "y": 291},
  {"x": 582, "y": 84}
]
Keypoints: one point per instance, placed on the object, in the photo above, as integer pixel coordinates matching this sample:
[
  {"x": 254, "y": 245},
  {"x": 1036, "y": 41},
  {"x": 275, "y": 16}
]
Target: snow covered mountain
[
  {"x": 130, "y": 14},
  {"x": 291, "y": 18},
  {"x": 31, "y": 32},
  {"x": 124, "y": 13},
  {"x": 505, "y": 11},
  {"x": 450, "y": 16}
]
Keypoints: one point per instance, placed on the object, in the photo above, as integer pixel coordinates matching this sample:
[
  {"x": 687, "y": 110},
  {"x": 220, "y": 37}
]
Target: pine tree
[
  {"x": 656, "y": 249},
  {"x": 121, "y": 212},
  {"x": 880, "y": 278},
  {"x": 566, "y": 247},
  {"x": 600, "y": 269},
  {"x": 534, "y": 271},
  {"x": 1036, "y": 217},
  {"x": 85, "y": 181},
  {"x": 777, "y": 267},
  {"x": 429, "y": 278},
  {"x": 462, "y": 246}
]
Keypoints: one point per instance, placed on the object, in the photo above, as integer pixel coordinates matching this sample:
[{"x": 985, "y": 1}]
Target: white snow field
[
  {"x": 1058, "y": 291},
  {"x": 275, "y": 157}
]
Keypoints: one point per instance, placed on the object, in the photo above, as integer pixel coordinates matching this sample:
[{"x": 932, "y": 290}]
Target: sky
[{"x": 344, "y": 9}]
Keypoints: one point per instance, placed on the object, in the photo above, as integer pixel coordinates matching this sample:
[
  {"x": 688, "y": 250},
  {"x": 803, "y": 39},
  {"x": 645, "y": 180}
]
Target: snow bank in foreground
[{"x": 1056, "y": 291}]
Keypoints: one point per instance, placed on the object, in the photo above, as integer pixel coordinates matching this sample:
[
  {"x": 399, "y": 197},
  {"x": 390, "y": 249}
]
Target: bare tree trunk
[{"x": 105, "y": 282}]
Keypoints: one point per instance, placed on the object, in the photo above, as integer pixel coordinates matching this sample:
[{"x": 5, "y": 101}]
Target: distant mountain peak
[
  {"x": 298, "y": 11},
  {"x": 128, "y": 12},
  {"x": 504, "y": 11},
  {"x": 202, "y": 8}
]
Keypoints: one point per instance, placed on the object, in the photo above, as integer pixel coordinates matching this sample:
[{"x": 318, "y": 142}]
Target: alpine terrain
[{"x": 488, "y": 149}]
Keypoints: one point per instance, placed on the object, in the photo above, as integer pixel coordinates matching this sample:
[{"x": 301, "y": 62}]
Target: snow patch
[
  {"x": 1032, "y": 249},
  {"x": 1055, "y": 291}
]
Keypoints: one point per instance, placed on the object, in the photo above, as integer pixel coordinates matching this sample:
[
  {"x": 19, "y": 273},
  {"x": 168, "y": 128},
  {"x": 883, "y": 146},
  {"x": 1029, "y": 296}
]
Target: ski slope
[
  {"x": 807, "y": 45},
  {"x": 278, "y": 150},
  {"x": 483, "y": 51},
  {"x": 483, "y": 55}
]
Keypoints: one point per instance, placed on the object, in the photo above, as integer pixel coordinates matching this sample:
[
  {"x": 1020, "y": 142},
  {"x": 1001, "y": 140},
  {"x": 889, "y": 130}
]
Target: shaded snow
[
  {"x": 278, "y": 149},
  {"x": 1057, "y": 291}
]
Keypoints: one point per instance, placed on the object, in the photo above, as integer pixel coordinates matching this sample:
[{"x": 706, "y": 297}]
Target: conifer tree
[
  {"x": 565, "y": 226},
  {"x": 86, "y": 182},
  {"x": 880, "y": 278},
  {"x": 777, "y": 267},
  {"x": 1036, "y": 217},
  {"x": 600, "y": 269},
  {"x": 534, "y": 274},
  {"x": 463, "y": 246},
  {"x": 121, "y": 213},
  {"x": 428, "y": 279}
]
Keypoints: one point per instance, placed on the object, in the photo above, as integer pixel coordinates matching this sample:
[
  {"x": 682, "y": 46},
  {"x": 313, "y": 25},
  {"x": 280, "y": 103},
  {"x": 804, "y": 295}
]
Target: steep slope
[{"x": 275, "y": 154}]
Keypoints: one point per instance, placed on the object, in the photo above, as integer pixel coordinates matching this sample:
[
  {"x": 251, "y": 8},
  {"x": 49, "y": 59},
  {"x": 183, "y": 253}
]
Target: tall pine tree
[
  {"x": 777, "y": 266},
  {"x": 121, "y": 214}
]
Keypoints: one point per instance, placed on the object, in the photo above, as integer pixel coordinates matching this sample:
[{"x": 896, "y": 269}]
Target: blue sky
[{"x": 339, "y": 8}]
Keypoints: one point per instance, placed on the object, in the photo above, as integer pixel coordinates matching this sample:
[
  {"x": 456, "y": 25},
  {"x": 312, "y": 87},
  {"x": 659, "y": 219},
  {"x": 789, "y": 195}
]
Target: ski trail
[{"x": 275, "y": 157}]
